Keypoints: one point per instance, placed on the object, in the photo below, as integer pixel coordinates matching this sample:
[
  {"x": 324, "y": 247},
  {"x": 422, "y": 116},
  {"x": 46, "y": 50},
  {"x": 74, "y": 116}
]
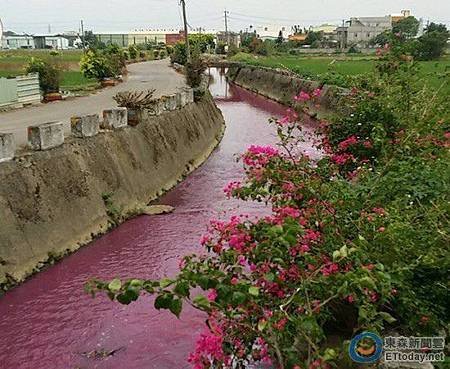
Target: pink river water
[{"x": 50, "y": 323}]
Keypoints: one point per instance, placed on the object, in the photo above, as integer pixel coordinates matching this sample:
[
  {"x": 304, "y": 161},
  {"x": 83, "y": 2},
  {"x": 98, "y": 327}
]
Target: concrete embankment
[
  {"x": 282, "y": 86},
  {"x": 52, "y": 202}
]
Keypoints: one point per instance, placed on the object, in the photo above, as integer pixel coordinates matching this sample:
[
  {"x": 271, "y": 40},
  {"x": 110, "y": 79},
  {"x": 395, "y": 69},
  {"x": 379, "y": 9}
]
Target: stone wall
[
  {"x": 282, "y": 85},
  {"x": 52, "y": 201}
]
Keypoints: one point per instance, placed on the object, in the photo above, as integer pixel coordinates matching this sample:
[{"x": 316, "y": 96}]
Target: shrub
[
  {"x": 49, "y": 74},
  {"x": 156, "y": 54},
  {"x": 220, "y": 48},
  {"x": 179, "y": 53},
  {"x": 96, "y": 65},
  {"x": 356, "y": 240},
  {"x": 133, "y": 51},
  {"x": 195, "y": 69},
  {"x": 432, "y": 44},
  {"x": 134, "y": 100}
]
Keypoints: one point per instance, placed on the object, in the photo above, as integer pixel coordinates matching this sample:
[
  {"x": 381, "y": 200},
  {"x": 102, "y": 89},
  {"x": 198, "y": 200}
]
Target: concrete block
[
  {"x": 170, "y": 102},
  {"x": 181, "y": 99},
  {"x": 189, "y": 93},
  {"x": 46, "y": 136},
  {"x": 7, "y": 147},
  {"x": 156, "y": 108},
  {"x": 85, "y": 126},
  {"x": 115, "y": 118}
]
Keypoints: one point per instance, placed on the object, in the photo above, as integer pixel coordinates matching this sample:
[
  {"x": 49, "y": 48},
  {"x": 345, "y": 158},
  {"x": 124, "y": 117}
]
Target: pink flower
[
  {"x": 231, "y": 187},
  {"x": 234, "y": 281},
  {"x": 351, "y": 299},
  {"x": 317, "y": 92},
  {"x": 212, "y": 295},
  {"x": 302, "y": 96},
  {"x": 330, "y": 269},
  {"x": 342, "y": 159},
  {"x": 350, "y": 141}
]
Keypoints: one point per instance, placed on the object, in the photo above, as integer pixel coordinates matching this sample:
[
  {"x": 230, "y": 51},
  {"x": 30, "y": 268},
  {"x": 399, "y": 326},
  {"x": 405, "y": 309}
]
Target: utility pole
[
  {"x": 226, "y": 28},
  {"x": 186, "y": 36},
  {"x": 82, "y": 36},
  {"x": 343, "y": 35}
]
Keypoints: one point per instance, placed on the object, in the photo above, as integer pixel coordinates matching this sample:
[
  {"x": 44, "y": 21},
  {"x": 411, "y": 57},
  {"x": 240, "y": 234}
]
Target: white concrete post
[
  {"x": 170, "y": 102},
  {"x": 115, "y": 118},
  {"x": 189, "y": 95},
  {"x": 46, "y": 136},
  {"x": 181, "y": 99},
  {"x": 85, "y": 126},
  {"x": 7, "y": 147}
]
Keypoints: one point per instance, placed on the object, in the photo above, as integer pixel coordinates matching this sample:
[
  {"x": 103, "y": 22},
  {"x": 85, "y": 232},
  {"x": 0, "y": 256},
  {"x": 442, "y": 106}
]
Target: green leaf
[
  {"x": 202, "y": 302},
  {"x": 163, "y": 301},
  {"x": 336, "y": 255},
  {"x": 238, "y": 298},
  {"x": 166, "y": 282},
  {"x": 254, "y": 291},
  {"x": 182, "y": 289},
  {"x": 115, "y": 285},
  {"x": 203, "y": 282},
  {"x": 387, "y": 317},
  {"x": 344, "y": 251},
  {"x": 176, "y": 307},
  {"x": 262, "y": 324}
]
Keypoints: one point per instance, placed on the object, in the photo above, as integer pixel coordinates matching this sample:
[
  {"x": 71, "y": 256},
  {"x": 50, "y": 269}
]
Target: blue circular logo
[{"x": 366, "y": 348}]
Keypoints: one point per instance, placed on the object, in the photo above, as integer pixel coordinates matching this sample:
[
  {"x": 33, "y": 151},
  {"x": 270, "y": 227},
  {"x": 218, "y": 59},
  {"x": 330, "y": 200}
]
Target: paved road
[{"x": 142, "y": 76}]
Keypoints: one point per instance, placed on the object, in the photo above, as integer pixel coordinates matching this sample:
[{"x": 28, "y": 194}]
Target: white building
[
  {"x": 56, "y": 42},
  {"x": 18, "y": 42},
  {"x": 272, "y": 32}
]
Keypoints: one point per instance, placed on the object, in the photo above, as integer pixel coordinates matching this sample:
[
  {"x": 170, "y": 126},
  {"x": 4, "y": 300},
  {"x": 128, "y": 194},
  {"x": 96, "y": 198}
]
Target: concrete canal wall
[
  {"x": 60, "y": 196},
  {"x": 282, "y": 85}
]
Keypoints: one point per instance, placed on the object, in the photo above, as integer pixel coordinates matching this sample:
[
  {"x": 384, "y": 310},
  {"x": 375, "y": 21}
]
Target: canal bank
[
  {"x": 53, "y": 202},
  {"x": 49, "y": 322}
]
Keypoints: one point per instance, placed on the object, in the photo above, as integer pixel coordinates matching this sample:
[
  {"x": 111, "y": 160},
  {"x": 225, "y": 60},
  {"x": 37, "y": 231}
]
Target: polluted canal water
[{"x": 50, "y": 323}]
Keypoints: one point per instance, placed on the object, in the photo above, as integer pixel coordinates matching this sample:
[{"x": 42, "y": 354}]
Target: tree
[
  {"x": 406, "y": 27},
  {"x": 313, "y": 38},
  {"x": 431, "y": 45},
  {"x": 381, "y": 39},
  {"x": 280, "y": 38}
]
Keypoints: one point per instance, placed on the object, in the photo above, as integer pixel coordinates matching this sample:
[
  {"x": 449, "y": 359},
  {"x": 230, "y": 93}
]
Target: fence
[{"x": 19, "y": 91}]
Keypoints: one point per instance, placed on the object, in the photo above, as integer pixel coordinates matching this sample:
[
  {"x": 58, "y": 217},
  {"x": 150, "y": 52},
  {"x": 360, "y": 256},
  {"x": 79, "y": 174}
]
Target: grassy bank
[
  {"x": 14, "y": 62},
  {"x": 433, "y": 72}
]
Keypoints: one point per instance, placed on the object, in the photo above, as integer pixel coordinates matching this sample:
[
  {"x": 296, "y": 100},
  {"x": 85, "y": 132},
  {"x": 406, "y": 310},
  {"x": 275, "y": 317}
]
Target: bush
[
  {"x": 195, "y": 69},
  {"x": 49, "y": 74},
  {"x": 220, "y": 48},
  {"x": 133, "y": 52},
  {"x": 232, "y": 50},
  {"x": 432, "y": 44},
  {"x": 355, "y": 240},
  {"x": 97, "y": 66},
  {"x": 156, "y": 54},
  {"x": 179, "y": 54}
]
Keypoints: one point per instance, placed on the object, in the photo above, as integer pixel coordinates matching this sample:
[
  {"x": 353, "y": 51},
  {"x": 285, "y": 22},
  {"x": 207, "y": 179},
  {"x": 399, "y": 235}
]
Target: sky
[{"x": 41, "y": 16}]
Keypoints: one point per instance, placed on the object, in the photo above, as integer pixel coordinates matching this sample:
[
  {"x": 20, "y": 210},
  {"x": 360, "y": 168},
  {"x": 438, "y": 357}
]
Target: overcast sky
[{"x": 35, "y": 16}]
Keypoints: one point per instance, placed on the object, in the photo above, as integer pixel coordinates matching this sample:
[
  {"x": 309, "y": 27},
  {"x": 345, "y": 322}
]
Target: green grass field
[
  {"x": 13, "y": 63},
  {"x": 432, "y": 71}
]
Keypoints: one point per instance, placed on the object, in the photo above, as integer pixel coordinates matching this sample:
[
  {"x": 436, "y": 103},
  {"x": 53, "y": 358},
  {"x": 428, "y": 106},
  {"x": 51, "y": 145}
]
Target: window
[
  {"x": 283, "y": 29},
  {"x": 266, "y": 29}
]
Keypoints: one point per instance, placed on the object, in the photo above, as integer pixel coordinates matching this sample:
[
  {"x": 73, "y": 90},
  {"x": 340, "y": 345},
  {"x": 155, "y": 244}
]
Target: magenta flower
[
  {"x": 302, "y": 97},
  {"x": 212, "y": 295}
]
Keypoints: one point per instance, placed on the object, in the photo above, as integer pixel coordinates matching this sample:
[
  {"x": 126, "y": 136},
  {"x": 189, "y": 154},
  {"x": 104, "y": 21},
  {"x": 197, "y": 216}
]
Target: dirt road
[{"x": 142, "y": 76}]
